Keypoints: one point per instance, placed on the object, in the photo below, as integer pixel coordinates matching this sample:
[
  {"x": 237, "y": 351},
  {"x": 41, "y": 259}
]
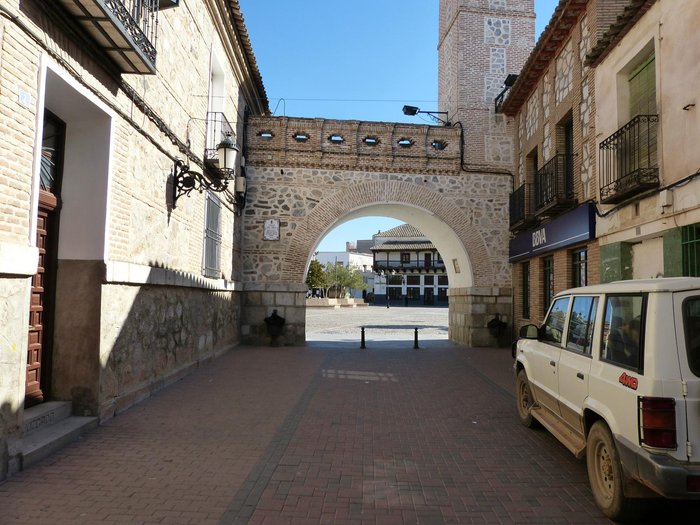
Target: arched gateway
[{"x": 307, "y": 176}]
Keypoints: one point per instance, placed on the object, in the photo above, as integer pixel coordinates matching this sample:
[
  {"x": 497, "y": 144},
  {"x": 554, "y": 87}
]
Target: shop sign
[{"x": 571, "y": 228}]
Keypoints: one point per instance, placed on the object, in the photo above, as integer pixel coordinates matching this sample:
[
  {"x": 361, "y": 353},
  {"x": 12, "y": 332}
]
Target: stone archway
[{"x": 303, "y": 190}]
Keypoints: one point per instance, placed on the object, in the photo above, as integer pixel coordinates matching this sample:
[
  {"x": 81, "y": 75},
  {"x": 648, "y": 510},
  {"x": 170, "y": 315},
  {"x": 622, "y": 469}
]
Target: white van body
[{"x": 623, "y": 358}]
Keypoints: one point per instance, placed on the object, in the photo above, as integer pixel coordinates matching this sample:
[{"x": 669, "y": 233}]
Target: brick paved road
[{"x": 323, "y": 434}]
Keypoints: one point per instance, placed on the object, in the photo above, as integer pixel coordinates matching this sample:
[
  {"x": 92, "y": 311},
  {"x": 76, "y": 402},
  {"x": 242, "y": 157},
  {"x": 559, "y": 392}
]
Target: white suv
[{"x": 614, "y": 374}]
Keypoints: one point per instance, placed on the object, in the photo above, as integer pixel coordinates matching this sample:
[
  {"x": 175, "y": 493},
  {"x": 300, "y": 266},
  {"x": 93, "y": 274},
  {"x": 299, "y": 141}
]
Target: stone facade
[
  {"x": 127, "y": 308},
  {"x": 309, "y": 187},
  {"x": 553, "y": 92},
  {"x": 480, "y": 42},
  {"x": 653, "y": 232}
]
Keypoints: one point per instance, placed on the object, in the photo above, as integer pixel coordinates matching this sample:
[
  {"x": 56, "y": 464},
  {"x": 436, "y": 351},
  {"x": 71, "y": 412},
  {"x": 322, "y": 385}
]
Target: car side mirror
[{"x": 529, "y": 331}]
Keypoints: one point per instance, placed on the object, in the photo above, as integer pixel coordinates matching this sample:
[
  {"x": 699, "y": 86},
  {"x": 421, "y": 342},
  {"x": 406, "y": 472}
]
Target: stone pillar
[
  {"x": 260, "y": 299},
  {"x": 471, "y": 310}
]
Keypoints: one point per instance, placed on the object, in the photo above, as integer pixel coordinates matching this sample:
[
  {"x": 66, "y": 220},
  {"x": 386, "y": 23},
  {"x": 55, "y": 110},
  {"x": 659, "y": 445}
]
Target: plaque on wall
[{"x": 271, "y": 231}]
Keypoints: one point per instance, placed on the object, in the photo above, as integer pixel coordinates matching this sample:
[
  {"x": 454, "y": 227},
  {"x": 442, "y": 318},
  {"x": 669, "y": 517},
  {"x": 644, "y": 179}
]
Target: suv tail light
[{"x": 657, "y": 422}]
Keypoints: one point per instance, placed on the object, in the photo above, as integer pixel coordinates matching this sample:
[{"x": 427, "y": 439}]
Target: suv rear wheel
[
  {"x": 524, "y": 400},
  {"x": 605, "y": 474}
]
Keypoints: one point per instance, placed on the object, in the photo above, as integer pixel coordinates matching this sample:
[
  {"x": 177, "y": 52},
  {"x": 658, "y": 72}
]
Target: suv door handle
[
  {"x": 579, "y": 375},
  {"x": 553, "y": 363}
]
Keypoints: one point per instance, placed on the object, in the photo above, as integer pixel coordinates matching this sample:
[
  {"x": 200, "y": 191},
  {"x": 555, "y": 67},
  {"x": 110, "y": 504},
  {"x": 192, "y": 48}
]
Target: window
[
  {"x": 429, "y": 280},
  {"x": 567, "y": 132},
  {"x": 413, "y": 293},
  {"x": 553, "y": 327},
  {"x": 405, "y": 258},
  {"x": 212, "y": 237},
  {"x": 622, "y": 330},
  {"x": 579, "y": 267},
  {"x": 642, "y": 88},
  {"x": 442, "y": 280},
  {"x": 691, "y": 324},
  {"x": 526, "y": 289},
  {"x": 394, "y": 293},
  {"x": 413, "y": 280},
  {"x": 547, "y": 282},
  {"x": 581, "y": 324},
  {"x": 395, "y": 280},
  {"x": 690, "y": 250}
]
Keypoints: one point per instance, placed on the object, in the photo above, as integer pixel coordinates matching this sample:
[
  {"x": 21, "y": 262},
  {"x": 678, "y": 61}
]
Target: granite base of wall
[
  {"x": 260, "y": 300},
  {"x": 154, "y": 335},
  {"x": 14, "y": 319},
  {"x": 471, "y": 311}
]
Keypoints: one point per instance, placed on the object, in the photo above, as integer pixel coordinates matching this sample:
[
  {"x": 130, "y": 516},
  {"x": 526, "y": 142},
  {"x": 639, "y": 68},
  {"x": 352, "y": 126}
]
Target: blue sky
[{"x": 360, "y": 60}]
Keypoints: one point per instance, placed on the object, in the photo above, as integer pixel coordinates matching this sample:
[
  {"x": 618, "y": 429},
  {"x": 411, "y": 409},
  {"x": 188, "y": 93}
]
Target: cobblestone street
[{"x": 322, "y": 434}]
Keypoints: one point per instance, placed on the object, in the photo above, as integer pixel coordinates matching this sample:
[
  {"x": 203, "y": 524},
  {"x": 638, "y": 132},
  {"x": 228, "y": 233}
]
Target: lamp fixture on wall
[
  {"x": 413, "y": 110},
  {"x": 218, "y": 172}
]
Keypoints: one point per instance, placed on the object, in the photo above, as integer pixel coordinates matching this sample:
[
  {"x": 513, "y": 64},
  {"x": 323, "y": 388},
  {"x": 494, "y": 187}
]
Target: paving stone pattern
[{"x": 321, "y": 434}]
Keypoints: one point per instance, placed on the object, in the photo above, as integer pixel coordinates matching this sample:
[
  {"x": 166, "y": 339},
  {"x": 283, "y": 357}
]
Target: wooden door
[{"x": 43, "y": 282}]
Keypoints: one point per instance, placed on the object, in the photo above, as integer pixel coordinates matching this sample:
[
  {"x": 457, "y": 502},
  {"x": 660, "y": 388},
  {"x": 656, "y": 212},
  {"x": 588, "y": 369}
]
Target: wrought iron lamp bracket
[{"x": 184, "y": 181}]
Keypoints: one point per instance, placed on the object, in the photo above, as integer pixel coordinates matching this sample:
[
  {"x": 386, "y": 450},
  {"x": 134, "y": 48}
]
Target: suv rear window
[
  {"x": 691, "y": 325},
  {"x": 622, "y": 330}
]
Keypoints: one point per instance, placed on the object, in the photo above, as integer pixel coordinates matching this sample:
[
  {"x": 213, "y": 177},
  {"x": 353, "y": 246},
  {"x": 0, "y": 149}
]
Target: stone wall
[
  {"x": 471, "y": 310},
  {"x": 260, "y": 300},
  {"x": 153, "y": 335}
]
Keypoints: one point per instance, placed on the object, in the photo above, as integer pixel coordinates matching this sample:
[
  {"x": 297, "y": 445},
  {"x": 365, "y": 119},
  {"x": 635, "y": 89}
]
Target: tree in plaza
[
  {"x": 343, "y": 278},
  {"x": 316, "y": 277}
]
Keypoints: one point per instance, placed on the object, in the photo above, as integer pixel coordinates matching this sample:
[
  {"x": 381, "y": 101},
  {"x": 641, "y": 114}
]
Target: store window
[
  {"x": 526, "y": 289},
  {"x": 547, "y": 282},
  {"x": 579, "y": 267}
]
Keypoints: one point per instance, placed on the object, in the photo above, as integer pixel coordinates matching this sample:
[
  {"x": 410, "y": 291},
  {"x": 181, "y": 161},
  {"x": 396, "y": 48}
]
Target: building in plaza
[
  {"x": 647, "y": 128},
  {"x": 125, "y": 279},
  {"x": 553, "y": 204},
  {"x": 410, "y": 270},
  {"x": 361, "y": 261}
]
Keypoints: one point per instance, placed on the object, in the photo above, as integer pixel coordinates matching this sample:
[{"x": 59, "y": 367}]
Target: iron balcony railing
[
  {"x": 628, "y": 160},
  {"x": 412, "y": 264},
  {"x": 218, "y": 128},
  {"x": 554, "y": 185},
  {"x": 520, "y": 206},
  {"x": 126, "y": 30}
]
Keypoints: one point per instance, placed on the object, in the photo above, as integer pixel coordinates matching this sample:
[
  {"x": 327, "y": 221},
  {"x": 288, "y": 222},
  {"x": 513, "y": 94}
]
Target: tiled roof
[
  {"x": 619, "y": 29},
  {"x": 392, "y": 246},
  {"x": 403, "y": 230},
  {"x": 256, "y": 77},
  {"x": 552, "y": 38}
]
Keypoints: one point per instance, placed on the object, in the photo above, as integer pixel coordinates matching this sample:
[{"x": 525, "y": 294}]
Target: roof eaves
[
  {"x": 624, "y": 23},
  {"x": 244, "y": 38},
  {"x": 546, "y": 48}
]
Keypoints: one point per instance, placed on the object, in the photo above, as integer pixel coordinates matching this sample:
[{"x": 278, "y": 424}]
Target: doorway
[{"x": 41, "y": 306}]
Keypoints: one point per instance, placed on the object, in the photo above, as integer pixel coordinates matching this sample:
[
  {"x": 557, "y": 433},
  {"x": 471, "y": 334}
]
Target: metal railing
[
  {"x": 554, "y": 183},
  {"x": 628, "y": 160},
  {"x": 140, "y": 19},
  {"x": 413, "y": 263},
  {"x": 218, "y": 127},
  {"x": 520, "y": 205}
]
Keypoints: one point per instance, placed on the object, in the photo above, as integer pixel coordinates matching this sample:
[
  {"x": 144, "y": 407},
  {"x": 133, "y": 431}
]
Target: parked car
[{"x": 614, "y": 374}]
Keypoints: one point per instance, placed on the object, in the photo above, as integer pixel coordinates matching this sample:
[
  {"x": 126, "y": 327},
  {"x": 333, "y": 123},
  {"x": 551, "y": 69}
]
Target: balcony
[
  {"x": 521, "y": 215},
  {"x": 414, "y": 265},
  {"x": 124, "y": 29},
  {"x": 554, "y": 187},
  {"x": 628, "y": 160},
  {"x": 218, "y": 128}
]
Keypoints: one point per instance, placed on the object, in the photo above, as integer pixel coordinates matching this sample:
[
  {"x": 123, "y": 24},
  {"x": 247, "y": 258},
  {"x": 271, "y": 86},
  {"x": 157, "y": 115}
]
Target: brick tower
[{"x": 480, "y": 43}]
